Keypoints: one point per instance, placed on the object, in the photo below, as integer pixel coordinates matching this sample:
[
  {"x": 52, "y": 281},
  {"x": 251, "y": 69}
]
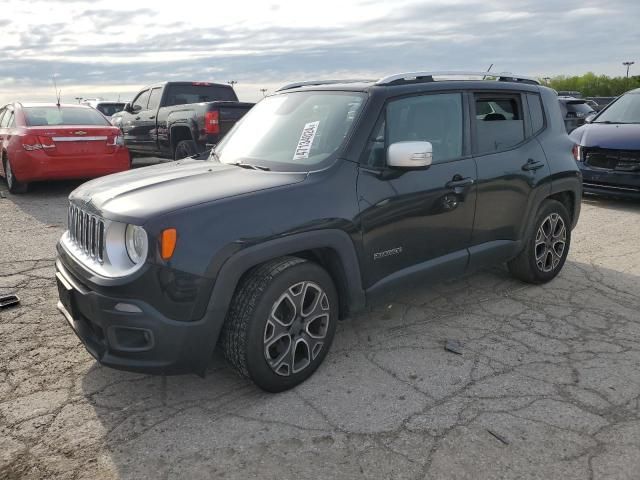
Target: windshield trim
[{"x": 289, "y": 167}]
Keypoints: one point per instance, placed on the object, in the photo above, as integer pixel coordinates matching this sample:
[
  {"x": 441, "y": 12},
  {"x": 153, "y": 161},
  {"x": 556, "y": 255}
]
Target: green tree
[{"x": 592, "y": 85}]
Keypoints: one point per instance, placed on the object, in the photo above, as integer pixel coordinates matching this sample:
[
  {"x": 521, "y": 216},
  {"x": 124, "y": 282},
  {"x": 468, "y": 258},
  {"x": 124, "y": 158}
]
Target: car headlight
[{"x": 136, "y": 243}]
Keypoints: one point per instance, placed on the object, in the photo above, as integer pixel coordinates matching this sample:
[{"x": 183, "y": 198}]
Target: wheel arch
[
  {"x": 178, "y": 133},
  {"x": 333, "y": 249}
]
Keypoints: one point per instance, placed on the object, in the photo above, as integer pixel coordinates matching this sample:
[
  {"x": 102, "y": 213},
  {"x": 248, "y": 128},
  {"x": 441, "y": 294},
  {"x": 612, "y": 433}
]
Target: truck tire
[
  {"x": 15, "y": 186},
  {"x": 184, "y": 149},
  {"x": 547, "y": 247},
  {"x": 281, "y": 323}
]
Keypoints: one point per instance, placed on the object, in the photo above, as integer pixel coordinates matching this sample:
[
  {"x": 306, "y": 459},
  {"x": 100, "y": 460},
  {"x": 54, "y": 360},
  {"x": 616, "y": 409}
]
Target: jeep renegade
[{"x": 323, "y": 195}]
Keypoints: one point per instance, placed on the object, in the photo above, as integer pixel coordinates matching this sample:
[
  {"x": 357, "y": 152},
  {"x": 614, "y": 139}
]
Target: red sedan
[{"x": 41, "y": 141}]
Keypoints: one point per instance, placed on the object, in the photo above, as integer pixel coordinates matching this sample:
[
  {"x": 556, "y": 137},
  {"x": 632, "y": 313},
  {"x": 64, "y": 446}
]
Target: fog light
[{"x": 127, "y": 308}]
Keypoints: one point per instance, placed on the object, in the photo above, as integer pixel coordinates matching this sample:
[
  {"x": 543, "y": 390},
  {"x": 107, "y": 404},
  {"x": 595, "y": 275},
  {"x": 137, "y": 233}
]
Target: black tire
[
  {"x": 265, "y": 293},
  {"x": 184, "y": 149},
  {"x": 14, "y": 185},
  {"x": 541, "y": 259}
]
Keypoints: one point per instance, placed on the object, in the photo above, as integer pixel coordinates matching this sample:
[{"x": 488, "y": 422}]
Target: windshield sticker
[{"x": 306, "y": 140}]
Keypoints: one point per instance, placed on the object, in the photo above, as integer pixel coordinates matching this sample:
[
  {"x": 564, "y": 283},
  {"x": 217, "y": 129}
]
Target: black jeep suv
[{"x": 322, "y": 196}]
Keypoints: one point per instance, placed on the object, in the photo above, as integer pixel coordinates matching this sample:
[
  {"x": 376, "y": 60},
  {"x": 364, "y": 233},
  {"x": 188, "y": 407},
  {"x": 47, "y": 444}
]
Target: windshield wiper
[
  {"x": 250, "y": 166},
  {"x": 609, "y": 122}
]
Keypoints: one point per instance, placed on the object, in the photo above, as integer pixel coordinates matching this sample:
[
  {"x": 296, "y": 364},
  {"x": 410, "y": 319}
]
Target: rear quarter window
[{"x": 535, "y": 112}]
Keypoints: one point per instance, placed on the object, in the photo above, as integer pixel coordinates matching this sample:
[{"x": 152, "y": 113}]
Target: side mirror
[
  {"x": 135, "y": 108},
  {"x": 410, "y": 154},
  {"x": 127, "y": 107},
  {"x": 589, "y": 118}
]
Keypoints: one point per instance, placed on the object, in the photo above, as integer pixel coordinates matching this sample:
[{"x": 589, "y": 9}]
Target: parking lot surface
[{"x": 547, "y": 386}]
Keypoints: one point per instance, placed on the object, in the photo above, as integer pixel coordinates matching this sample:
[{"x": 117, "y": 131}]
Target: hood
[
  {"x": 603, "y": 135},
  {"x": 137, "y": 195}
]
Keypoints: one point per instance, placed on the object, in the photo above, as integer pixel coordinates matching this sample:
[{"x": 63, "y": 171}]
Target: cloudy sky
[{"x": 110, "y": 48}]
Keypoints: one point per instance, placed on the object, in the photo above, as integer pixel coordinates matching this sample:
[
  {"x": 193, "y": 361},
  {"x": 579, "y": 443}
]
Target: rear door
[
  {"x": 418, "y": 220},
  {"x": 511, "y": 169}
]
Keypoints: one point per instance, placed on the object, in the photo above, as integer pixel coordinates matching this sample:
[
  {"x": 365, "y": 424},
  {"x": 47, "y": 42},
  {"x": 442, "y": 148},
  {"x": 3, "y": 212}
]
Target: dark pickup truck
[{"x": 179, "y": 119}]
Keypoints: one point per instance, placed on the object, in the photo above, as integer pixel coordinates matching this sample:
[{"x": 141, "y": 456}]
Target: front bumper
[
  {"x": 131, "y": 335},
  {"x": 610, "y": 182}
]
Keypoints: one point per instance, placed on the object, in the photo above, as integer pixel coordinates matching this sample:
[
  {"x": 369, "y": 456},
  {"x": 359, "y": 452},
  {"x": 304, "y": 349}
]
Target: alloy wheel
[
  {"x": 8, "y": 174},
  {"x": 551, "y": 240},
  {"x": 296, "y": 329}
]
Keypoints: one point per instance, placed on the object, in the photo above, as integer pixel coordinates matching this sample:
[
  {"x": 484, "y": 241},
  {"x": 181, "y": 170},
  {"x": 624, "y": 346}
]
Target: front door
[
  {"x": 414, "y": 221},
  {"x": 132, "y": 122}
]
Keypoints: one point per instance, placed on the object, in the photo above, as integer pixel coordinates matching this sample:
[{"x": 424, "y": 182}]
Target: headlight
[{"x": 136, "y": 242}]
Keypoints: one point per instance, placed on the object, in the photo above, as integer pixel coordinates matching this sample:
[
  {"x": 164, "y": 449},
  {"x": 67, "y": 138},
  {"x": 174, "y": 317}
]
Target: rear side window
[
  {"x": 499, "y": 122},
  {"x": 43, "y": 116},
  {"x": 189, "y": 93},
  {"x": 154, "y": 99},
  {"x": 578, "y": 109},
  {"x": 535, "y": 112}
]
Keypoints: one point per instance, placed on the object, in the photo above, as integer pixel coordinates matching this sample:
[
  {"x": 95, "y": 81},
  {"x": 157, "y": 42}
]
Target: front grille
[
  {"x": 619, "y": 160},
  {"x": 87, "y": 232}
]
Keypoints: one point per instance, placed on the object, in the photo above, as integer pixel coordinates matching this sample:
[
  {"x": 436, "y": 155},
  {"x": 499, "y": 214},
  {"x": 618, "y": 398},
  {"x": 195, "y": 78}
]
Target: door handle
[
  {"x": 137, "y": 118},
  {"x": 459, "y": 183},
  {"x": 152, "y": 117},
  {"x": 532, "y": 165}
]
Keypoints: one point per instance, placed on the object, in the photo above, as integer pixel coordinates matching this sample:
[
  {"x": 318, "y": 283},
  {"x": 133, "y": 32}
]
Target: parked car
[
  {"x": 43, "y": 141},
  {"x": 574, "y": 111},
  {"x": 569, "y": 93},
  {"x": 179, "y": 119},
  {"x": 598, "y": 103},
  {"x": 608, "y": 148},
  {"x": 325, "y": 195},
  {"x": 108, "y": 109}
]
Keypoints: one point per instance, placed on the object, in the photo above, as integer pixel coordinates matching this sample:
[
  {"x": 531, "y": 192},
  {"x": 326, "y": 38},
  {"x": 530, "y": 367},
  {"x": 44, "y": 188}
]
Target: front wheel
[
  {"x": 547, "y": 247},
  {"x": 185, "y": 149},
  {"x": 14, "y": 185},
  {"x": 281, "y": 323}
]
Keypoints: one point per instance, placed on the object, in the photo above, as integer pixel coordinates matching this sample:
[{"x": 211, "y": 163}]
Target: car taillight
[
  {"x": 212, "y": 122},
  {"x": 577, "y": 152},
  {"x": 32, "y": 142},
  {"x": 115, "y": 140}
]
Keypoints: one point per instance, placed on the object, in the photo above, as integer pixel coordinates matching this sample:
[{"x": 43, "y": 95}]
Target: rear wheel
[
  {"x": 281, "y": 323},
  {"x": 184, "y": 149},
  {"x": 15, "y": 186},
  {"x": 547, "y": 247}
]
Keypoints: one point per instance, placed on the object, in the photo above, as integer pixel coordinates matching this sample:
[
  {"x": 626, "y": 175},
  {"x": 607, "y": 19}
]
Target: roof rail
[
  {"x": 289, "y": 86},
  {"x": 428, "y": 77}
]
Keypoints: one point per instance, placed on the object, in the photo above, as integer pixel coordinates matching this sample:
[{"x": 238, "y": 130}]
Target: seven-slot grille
[
  {"x": 87, "y": 232},
  {"x": 620, "y": 160}
]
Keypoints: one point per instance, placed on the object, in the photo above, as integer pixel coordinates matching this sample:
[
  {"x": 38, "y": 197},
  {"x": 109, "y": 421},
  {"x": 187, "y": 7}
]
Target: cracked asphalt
[{"x": 547, "y": 387}]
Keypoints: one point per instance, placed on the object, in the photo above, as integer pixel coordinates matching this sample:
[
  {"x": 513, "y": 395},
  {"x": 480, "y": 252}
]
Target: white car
[{"x": 105, "y": 107}]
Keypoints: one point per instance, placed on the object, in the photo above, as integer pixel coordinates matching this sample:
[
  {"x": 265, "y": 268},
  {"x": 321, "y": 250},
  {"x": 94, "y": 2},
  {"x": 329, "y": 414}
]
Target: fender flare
[{"x": 231, "y": 271}]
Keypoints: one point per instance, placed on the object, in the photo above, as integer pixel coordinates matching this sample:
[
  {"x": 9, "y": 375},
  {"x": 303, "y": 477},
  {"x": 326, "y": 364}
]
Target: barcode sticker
[{"x": 306, "y": 140}]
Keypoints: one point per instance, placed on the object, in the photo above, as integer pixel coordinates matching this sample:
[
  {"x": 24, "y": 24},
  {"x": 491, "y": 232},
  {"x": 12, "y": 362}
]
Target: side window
[
  {"x": 6, "y": 118},
  {"x": 535, "y": 112},
  {"x": 12, "y": 120},
  {"x": 499, "y": 122},
  {"x": 154, "y": 99},
  {"x": 3, "y": 111},
  {"x": 140, "y": 103},
  {"x": 433, "y": 118}
]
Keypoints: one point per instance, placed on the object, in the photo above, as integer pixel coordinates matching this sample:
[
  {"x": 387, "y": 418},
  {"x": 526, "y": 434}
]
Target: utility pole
[
  {"x": 264, "y": 92},
  {"x": 628, "y": 64},
  {"x": 232, "y": 83},
  {"x": 79, "y": 99},
  {"x": 546, "y": 80}
]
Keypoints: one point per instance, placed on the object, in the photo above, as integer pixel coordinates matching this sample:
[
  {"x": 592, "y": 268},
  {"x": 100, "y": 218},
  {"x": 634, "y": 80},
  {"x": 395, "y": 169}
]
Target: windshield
[
  {"x": 292, "y": 131},
  {"x": 43, "y": 116},
  {"x": 624, "y": 110}
]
